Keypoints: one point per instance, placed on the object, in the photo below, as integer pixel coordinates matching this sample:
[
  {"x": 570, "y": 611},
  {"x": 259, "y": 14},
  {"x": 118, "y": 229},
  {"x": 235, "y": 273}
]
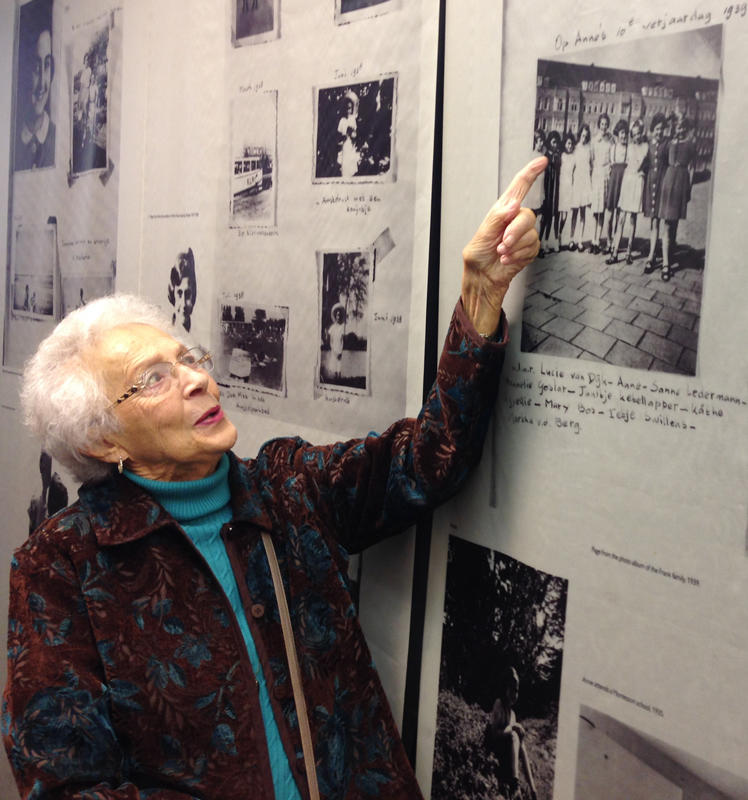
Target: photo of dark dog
[{"x": 182, "y": 289}]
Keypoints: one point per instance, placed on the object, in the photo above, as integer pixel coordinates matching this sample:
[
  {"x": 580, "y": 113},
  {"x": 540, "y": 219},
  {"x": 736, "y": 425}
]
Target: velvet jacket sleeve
[{"x": 368, "y": 489}]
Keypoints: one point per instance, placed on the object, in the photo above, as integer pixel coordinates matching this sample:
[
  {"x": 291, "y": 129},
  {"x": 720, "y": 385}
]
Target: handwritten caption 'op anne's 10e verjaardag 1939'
[{"x": 600, "y": 33}]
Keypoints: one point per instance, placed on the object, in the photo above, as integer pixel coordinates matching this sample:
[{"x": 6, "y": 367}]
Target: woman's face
[
  {"x": 568, "y": 145},
  {"x": 584, "y": 136},
  {"x": 41, "y": 73},
  {"x": 554, "y": 143},
  {"x": 636, "y": 134},
  {"x": 657, "y": 132},
  {"x": 174, "y": 436},
  {"x": 603, "y": 124},
  {"x": 623, "y": 135}
]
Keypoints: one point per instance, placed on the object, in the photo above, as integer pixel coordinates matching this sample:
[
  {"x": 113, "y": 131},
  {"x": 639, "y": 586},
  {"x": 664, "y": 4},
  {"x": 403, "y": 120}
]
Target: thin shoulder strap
[{"x": 293, "y": 666}]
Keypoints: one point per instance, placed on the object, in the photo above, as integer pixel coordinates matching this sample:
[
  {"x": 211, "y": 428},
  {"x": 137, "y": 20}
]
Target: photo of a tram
[
  {"x": 248, "y": 175},
  {"x": 252, "y": 199}
]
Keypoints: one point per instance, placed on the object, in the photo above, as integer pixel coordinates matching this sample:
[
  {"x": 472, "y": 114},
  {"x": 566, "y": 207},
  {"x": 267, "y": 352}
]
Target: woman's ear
[{"x": 106, "y": 451}]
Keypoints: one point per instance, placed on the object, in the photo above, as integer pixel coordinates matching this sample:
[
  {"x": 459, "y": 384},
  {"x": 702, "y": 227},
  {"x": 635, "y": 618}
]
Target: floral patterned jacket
[{"x": 128, "y": 677}]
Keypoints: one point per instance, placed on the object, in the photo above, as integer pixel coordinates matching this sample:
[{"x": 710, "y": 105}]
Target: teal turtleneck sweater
[{"x": 202, "y": 507}]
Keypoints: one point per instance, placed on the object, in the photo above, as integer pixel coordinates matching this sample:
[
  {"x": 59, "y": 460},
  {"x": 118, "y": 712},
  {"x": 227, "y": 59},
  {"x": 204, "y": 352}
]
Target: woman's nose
[{"x": 192, "y": 379}]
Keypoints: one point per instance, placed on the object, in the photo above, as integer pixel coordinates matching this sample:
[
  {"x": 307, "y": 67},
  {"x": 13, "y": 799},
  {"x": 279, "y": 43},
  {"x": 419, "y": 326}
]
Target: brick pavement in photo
[{"x": 578, "y": 306}]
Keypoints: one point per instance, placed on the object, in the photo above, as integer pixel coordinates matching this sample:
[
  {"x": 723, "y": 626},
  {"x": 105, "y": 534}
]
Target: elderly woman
[{"x": 151, "y": 649}]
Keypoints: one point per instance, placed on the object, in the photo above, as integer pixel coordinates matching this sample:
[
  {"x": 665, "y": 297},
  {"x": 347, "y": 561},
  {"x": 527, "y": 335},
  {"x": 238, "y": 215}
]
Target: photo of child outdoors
[{"x": 500, "y": 677}]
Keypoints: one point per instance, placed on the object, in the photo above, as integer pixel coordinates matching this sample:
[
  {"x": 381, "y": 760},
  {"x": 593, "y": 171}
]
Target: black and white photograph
[
  {"x": 618, "y": 762},
  {"x": 499, "y": 679},
  {"x": 623, "y": 208},
  {"x": 355, "y": 132},
  {"x": 89, "y": 99},
  {"x": 77, "y": 290},
  {"x": 254, "y": 128},
  {"x": 352, "y": 10},
  {"x": 253, "y": 346},
  {"x": 35, "y": 128},
  {"x": 181, "y": 290},
  {"x": 35, "y": 268},
  {"x": 48, "y": 498},
  {"x": 345, "y": 279},
  {"x": 255, "y": 21}
]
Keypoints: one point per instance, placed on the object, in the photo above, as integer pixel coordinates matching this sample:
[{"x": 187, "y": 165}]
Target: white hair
[{"x": 62, "y": 398}]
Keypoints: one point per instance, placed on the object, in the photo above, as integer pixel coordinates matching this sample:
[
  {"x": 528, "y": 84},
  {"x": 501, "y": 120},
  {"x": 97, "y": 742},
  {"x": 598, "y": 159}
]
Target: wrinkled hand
[{"x": 504, "y": 244}]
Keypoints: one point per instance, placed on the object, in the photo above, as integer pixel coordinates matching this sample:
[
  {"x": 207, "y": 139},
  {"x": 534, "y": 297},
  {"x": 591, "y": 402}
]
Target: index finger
[{"x": 523, "y": 180}]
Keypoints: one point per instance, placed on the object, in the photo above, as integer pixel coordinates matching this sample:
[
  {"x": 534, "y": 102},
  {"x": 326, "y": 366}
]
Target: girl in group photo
[
  {"x": 656, "y": 162},
  {"x": 600, "y": 169},
  {"x": 581, "y": 189},
  {"x": 632, "y": 187},
  {"x": 549, "y": 226},
  {"x": 676, "y": 189},
  {"x": 617, "y": 168},
  {"x": 565, "y": 184}
]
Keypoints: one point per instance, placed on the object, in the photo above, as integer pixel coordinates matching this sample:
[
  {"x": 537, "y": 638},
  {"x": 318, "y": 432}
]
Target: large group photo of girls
[{"x": 604, "y": 188}]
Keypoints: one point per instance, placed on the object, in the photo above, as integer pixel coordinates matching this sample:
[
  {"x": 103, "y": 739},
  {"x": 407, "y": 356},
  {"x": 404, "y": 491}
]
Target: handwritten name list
[{"x": 546, "y": 396}]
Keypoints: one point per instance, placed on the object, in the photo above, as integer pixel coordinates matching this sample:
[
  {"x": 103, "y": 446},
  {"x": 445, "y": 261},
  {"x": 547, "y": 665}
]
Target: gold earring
[{"x": 120, "y": 466}]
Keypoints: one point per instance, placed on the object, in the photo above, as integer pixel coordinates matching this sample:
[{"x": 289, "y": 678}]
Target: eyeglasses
[{"x": 158, "y": 378}]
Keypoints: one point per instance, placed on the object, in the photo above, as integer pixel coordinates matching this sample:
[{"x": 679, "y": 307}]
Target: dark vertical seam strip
[{"x": 409, "y": 728}]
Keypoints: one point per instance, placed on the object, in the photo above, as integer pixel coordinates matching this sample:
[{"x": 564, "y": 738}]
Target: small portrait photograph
[
  {"x": 50, "y": 497},
  {"x": 355, "y": 132},
  {"x": 89, "y": 99},
  {"x": 351, "y": 10},
  {"x": 35, "y": 120},
  {"x": 618, "y": 762},
  {"x": 500, "y": 678},
  {"x": 253, "y": 346},
  {"x": 181, "y": 290},
  {"x": 35, "y": 270},
  {"x": 255, "y": 21},
  {"x": 344, "y": 280},
  {"x": 254, "y": 128},
  {"x": 629, "y": 130},
  {"x": 77, "y": 290}
]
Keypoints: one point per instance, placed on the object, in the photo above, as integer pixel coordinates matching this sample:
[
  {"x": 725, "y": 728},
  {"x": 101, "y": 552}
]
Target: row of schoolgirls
[{"x": 615, "y": 178}]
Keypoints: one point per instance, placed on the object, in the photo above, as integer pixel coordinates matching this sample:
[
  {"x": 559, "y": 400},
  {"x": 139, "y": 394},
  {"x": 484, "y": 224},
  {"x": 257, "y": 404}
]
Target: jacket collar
[{"x": 120, "y": 511}]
